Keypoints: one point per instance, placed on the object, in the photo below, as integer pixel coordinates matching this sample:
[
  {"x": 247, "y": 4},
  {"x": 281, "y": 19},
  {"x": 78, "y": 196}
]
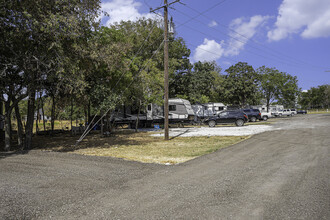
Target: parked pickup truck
[{"x": 266, "y": 115}]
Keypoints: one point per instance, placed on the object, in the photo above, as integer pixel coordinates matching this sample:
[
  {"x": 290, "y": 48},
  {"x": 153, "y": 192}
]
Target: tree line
[
  {"x": 56, "y": 53},
  {"x": 316, "y": 97}
]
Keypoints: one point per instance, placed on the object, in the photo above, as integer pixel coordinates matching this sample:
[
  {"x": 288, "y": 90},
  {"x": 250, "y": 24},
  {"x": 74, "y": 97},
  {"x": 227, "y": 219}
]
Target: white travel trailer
[
  {"x": 207, "y": 110},
  {"x": 216, "y": 108},
  {"x": 180, "y": 111}
]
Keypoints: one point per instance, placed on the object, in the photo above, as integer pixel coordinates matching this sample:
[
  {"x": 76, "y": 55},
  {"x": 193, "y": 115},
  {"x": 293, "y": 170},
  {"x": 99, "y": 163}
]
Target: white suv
[
  {"x": 285, "y": 112},
  {"x": 294, "y": 111}
]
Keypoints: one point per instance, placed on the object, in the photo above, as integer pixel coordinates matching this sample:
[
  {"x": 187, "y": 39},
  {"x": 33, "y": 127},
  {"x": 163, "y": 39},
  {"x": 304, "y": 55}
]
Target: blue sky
[{"x": 290, "y": 35}]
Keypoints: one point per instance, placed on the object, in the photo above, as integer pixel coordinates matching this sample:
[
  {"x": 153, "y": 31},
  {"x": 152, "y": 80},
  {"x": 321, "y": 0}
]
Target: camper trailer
[
  {"x": 201, "y": 112},
  {"x": 216, "y": 108},
  {"x": 204, "y": 111},
  {"x": 180, "y": 111}
]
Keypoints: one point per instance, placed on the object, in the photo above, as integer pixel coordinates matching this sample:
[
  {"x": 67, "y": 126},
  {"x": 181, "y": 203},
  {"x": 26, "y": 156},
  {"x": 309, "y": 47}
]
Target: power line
[
  {"x": 194, "y": 18},
  {"x": 203, "y": 12},
  {"x": 275, "y": 52},
  {"x": 211, "y": 36}
]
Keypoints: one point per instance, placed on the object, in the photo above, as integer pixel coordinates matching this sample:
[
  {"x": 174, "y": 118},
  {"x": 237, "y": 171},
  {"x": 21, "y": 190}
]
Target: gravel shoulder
[
  {"x": 278, "y": 174},
  {"x": 218, "y": 131}
]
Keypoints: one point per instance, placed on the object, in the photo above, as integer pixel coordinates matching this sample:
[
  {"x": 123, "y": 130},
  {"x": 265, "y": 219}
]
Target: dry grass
[
  {"x": 58, "y": 125},
  {"x": 318, "y": 112},
  {"x": 138, "y": 146}
]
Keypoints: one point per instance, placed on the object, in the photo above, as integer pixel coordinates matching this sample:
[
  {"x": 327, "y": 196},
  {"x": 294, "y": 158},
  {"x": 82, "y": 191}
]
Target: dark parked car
[
  {"x": 301, "y": 112},
  {"x": 227, "y": 117},
  {"x": 253, "y": 114}
]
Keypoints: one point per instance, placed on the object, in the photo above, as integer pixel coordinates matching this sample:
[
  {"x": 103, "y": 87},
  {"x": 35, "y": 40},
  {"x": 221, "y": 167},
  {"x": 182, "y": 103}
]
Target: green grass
[
  {"x": 139, "y": 146},
  {"x": 324, "y": 111}
]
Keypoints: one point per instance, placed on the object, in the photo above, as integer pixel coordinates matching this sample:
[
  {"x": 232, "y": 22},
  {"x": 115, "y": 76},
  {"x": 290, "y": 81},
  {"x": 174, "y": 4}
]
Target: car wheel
[
  {"x": 239, "y": 122},
  {"x": 265, "y": 118},
  {"x": 212, "y": 123},
  {"x": 280, "y": 115},
  {"x": 253, "y": 119}
]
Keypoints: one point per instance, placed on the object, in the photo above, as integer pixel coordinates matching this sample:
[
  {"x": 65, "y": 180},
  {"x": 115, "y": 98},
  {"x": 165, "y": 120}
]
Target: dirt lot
[{"x": 280, "y": 174}]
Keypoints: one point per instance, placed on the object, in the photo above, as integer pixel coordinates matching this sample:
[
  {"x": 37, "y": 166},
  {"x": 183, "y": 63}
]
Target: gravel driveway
[
  {"x": 218, "y": 131},
  {"x": 279, "y": 174}
]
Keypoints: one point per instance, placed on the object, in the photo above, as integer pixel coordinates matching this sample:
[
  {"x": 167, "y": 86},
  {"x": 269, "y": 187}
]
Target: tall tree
[
  {"x": 315, "y": 97},
  {"x": 241, "y": 84},
  {"x": 288, "y": 95},
  {"x": 270, "y": 83},
  {"x": 41, "y": 38},
  {"x": 202, "y": 84}
]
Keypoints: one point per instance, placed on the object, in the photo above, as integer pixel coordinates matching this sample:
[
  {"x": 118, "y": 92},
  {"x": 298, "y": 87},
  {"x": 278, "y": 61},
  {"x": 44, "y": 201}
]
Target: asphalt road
[{"x": 281, "y": 174}]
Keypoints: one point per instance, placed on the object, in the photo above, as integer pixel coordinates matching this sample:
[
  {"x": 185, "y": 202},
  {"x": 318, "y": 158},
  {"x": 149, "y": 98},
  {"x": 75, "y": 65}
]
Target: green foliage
[
  {"x": 279, "y": 86},
  {"x": 241, "y": 85},
  {"x": 318, "y": 97},
  {"x": 202, "y": 84}
]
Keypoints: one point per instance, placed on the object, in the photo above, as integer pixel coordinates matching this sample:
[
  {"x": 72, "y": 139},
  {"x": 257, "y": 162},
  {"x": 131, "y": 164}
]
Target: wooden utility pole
[
  {"x": 166, "y": 110},
  {"x": 166, "y": 129}
]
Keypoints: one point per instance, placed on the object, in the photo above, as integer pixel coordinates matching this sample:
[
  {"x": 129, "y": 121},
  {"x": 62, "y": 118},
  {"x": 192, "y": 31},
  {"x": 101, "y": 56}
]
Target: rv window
[
  {"x": 149, "y": 107},
  {"x": 172, "y": 108}
]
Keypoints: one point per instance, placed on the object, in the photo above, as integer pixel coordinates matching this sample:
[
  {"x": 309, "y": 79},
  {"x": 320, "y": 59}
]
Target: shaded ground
[
  {"x": 139, "y": 146},
  {"x": 282, "y": 174}
]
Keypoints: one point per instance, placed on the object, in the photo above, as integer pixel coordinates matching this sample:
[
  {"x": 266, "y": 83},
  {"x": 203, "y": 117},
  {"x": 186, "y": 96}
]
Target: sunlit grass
[
  {"x": 318, "y": 112},
  {"x": 140, "y": 146}
]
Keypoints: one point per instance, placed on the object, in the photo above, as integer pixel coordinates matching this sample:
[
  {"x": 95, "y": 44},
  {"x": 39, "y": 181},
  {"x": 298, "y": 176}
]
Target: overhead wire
[
  {"x": 209, "y": 35},
  {"x": 273, "y": 53},
  {"x": 254, "y": 41}
]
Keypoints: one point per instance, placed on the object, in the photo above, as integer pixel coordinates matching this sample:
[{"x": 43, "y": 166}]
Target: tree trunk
[
  {"x": 37, "y": 119},
  {"x": 30, "y": 120},
  {"x": 268, "y": 101},
  {"x": 71, "y": 113},
  {"x": 89, "y": 112},
  {"x": 137, "y": 119},
  {"x": 86, "y": 116},
  {"x": 19, "y": 127},
  {"x": 42, "y": 110},
  {"x": 7, "y": 125},
  {"x": 52, "y": 120},
  {"x": 102, "y": 125},
  {"x": 1, "y": 106}
]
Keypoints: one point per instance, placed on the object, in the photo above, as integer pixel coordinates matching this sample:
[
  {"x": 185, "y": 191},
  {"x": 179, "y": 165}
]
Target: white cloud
[
  {"x": 243, "y": 31},
  {"x": 310, "y": 19},
  {"x": 208, "y": 51},
  {"x": 123, "y": 10},
  {"x": 213, "y": 24}
]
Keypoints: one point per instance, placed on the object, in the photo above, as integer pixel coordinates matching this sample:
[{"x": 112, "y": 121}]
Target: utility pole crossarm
[{"x": 165, "y": 5}]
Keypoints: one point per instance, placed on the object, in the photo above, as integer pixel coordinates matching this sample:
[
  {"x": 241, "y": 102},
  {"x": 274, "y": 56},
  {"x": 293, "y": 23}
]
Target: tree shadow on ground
[{"x": 68, "y": 143}]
